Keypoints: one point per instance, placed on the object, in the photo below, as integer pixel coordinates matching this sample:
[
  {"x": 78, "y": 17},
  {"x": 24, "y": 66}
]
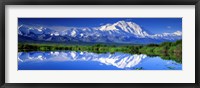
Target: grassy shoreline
[{"x": 166, "y": 50}]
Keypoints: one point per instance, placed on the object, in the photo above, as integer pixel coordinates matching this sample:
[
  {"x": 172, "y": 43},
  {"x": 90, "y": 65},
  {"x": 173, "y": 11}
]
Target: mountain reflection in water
[{"x": 72, "y": 60}]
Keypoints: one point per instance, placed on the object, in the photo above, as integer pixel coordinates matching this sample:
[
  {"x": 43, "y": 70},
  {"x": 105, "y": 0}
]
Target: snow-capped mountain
[
  {"x": 128, "y": 27},
  {"x": 119, "y": 32}
]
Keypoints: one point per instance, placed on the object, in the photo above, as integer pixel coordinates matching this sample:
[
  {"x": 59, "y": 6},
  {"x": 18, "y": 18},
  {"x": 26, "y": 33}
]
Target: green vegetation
[{"x": 166, "y": 50}]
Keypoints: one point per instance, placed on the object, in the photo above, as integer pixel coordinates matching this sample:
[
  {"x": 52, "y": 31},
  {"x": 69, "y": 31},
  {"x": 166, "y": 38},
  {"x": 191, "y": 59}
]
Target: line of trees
[{"x": 165, "y": 49}]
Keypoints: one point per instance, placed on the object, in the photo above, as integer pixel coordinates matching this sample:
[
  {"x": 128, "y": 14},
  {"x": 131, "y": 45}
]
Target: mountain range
[{"x": 119, "y": 32}]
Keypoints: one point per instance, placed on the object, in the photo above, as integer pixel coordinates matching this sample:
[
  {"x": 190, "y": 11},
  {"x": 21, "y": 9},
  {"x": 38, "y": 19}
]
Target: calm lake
[{"x": 72, "y": 60}]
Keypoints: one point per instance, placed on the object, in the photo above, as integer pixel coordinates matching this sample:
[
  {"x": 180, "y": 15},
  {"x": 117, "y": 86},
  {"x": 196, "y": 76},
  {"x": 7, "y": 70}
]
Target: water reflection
[{"x": 71, "y": 60}]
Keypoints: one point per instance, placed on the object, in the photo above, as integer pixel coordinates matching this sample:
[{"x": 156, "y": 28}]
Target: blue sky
[{"x": 153, "y": 25}]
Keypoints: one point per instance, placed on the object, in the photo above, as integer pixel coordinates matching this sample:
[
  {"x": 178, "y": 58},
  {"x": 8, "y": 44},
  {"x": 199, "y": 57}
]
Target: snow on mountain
[
  {"x": 55, "y": 34},
  {"x": 128, "y": 27},
  {"x": 119, "y": 32},
  {"x": 73, "y": 33},
  {"x": 168, "y": 36},
  {"x": 107, "y": 27}
]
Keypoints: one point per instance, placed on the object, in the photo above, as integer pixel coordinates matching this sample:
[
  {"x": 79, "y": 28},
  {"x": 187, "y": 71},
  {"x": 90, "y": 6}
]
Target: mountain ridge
[{"x": 119, "y": 32}]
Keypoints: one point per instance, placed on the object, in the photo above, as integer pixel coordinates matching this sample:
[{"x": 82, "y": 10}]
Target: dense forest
[{"x": 166, "y": 50}]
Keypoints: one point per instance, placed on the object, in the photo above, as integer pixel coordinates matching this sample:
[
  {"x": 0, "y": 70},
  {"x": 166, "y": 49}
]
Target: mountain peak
[
  {"x": 132, "y": 28},
  {"x": 107, "y": 27}
]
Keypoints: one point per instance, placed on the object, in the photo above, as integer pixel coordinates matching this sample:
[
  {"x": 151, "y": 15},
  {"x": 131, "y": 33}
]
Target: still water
[{"x": 72, "y": 60}]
